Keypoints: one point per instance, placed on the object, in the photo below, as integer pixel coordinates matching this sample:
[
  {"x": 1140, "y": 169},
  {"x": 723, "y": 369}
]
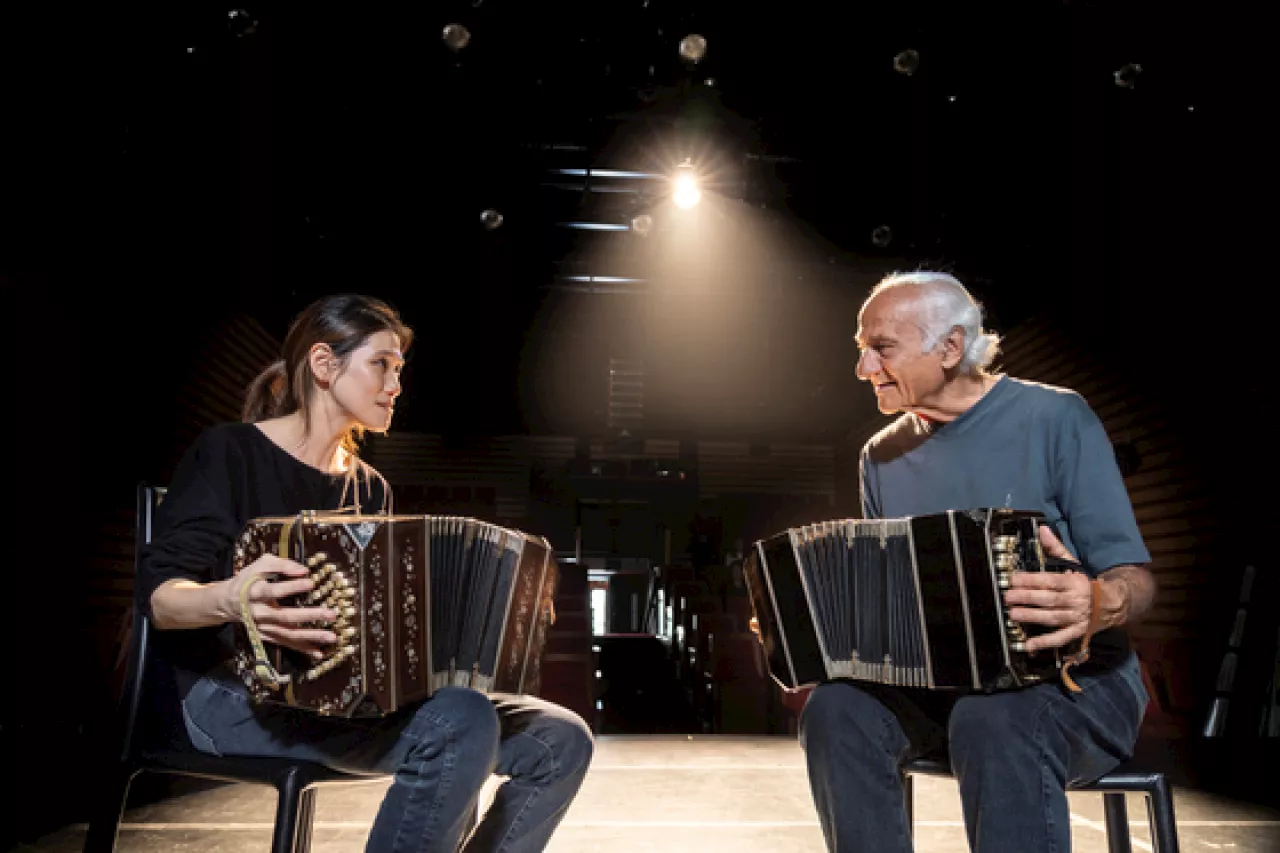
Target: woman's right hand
[{"x": 286, "y": 626}]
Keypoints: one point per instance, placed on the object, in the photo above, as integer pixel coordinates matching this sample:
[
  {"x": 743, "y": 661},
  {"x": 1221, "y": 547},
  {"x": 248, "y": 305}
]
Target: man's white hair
[{"x": 941, "y": 304}]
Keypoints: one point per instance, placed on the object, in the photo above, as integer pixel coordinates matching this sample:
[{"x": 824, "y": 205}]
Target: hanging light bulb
[
  {"x": 1128, "y": 75},
  {"x": 685, "y": 191},
  {"x": 906, "y": 62},
  {"x": 693, "y": 47},
  {"x": 241, "y": 23},
  {"x": 456, "y": 36}
]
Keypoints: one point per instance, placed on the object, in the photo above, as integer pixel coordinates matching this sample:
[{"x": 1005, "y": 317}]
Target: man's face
[{"x": 891, "y": 342}]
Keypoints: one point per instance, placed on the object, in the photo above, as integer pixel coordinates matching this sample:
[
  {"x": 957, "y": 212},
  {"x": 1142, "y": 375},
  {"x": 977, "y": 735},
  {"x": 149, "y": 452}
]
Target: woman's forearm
[{"x": 180, "y": 604}]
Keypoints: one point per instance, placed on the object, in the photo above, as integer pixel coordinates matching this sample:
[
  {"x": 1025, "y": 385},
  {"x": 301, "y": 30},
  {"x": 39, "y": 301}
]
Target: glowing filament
[{"x": 686, "y": 193}]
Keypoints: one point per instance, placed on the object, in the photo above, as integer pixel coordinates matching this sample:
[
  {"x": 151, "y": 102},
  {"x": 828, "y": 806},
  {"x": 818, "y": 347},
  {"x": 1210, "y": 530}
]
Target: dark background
[
  {"x": 165, "y": 167},
  {"x": 161, "y": 170}
]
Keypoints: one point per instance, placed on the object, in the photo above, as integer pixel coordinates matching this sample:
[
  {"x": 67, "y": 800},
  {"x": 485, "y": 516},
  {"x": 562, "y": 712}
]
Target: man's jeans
[
  {"x": 1014, "y": 755},
  {"x": 440, "y": 753}
]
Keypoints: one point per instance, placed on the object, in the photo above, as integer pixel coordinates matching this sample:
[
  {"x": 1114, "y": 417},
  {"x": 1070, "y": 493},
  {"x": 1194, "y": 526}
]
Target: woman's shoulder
[
  {"x": 214, "y": 461},
  {"x": 227, "y": 446},
  {"x": 227, "y": 436}
]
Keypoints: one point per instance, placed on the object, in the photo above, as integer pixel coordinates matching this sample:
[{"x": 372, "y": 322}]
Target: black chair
[
  {"x": 1113, "y": 786},
  {"x": 151, "y": 740}
]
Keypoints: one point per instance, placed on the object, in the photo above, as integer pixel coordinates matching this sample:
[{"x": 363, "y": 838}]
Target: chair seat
[
  {"x": 265, "y": 771},
  {"x": 927, "y": 767},
  {"x": 1124, "y": 777}
]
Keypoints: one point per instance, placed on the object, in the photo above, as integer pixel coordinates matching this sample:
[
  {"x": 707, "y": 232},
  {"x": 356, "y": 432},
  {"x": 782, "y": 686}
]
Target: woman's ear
[{"x": 325, "y": 366}]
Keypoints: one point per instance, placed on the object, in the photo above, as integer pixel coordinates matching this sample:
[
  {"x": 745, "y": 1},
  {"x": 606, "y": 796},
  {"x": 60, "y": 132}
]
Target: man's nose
[
  {"x": 868, "y": 364},
  {"x": 393, "y": 385}
]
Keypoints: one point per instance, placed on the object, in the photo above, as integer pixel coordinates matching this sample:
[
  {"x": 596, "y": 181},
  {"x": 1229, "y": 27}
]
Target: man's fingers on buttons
[{"x": 1042, "y": 616}]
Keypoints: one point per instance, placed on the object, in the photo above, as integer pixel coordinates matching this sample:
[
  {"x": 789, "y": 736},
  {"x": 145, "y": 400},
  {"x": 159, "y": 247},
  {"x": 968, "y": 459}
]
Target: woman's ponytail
[{"x": 267, "y": 395}]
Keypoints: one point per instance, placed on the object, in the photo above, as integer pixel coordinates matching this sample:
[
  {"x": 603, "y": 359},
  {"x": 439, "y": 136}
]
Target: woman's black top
[{"x": 231, "y": 474}]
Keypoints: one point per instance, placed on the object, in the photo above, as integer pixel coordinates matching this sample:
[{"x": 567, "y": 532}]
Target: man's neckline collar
[{"x": 934, "y": 426}]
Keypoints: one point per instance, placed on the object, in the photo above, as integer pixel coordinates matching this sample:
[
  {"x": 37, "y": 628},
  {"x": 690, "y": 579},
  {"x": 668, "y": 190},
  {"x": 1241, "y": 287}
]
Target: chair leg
[
  {"x": 1164, "y": 829},
  {"x": 108, "y": 807},
  {"x": 908, "y": 802},
  {"x": 1117, "y": 816},
  {"x": 289, "y": 807},
  {"x": 306, "y": 821}
]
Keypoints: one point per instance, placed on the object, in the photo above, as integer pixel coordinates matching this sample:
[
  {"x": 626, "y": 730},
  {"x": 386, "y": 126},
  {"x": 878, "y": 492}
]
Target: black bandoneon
[{"x": 913, "y": 602}]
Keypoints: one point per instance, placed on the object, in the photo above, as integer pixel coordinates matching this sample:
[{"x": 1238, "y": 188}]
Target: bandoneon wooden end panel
[
  {"x": 371, "y": 572},
  {"x": 531, "y": 681},
  {"x": 506, "y": 658},
  {"x": 772, "y": 575}
]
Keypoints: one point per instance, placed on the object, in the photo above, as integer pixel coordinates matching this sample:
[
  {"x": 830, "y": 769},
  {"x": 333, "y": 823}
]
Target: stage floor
[{"x": 677, "y": 793}]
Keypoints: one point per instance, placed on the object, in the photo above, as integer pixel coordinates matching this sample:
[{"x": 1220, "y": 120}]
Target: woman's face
[{"x": 369, "y": 384}]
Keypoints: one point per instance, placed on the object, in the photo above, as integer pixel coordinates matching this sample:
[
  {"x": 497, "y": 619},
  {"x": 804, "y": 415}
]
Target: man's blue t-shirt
[{"x": 1023, "y": 445}]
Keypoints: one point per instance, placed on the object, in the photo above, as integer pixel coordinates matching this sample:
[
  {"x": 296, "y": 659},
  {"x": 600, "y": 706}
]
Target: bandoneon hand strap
[
  {"x": 1095, "y": 613},
  {"x": 262, "y": 668}
]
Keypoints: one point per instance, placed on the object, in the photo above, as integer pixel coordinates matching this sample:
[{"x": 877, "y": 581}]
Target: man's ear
[
  {"x": 325, "y": 366},
  {"x": 952, "y": 347}
]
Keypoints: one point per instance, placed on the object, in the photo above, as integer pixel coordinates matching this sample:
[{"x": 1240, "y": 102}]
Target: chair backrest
[{"x": 139, "y": 665}]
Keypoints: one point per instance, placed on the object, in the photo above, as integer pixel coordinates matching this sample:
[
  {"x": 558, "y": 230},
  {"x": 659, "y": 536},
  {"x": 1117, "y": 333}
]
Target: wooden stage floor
[{"x": 669, "y": 793}]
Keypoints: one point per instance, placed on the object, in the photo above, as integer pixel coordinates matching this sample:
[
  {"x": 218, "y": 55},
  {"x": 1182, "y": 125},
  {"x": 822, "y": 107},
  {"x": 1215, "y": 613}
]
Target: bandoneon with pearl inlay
[
  {"x": 423, "y": 602},
  {"x": 912, "y": 602}
]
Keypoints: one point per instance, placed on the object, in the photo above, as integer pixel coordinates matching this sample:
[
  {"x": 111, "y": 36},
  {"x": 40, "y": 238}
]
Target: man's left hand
[{"x": 1062, "y": 600}]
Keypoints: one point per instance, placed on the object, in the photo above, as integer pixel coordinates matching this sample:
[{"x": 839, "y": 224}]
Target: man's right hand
[
  {"x": 793, "y": 697},
  {"x": 285, "y": 626}
]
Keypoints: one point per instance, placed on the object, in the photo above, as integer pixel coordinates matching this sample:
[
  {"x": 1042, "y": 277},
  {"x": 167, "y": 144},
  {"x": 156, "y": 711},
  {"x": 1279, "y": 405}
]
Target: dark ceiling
[{"x": 209, "y": 157}]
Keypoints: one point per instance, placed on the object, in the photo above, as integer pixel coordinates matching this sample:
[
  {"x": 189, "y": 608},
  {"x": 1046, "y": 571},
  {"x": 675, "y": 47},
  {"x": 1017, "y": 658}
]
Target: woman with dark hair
[{"x": 296, "y": 450}]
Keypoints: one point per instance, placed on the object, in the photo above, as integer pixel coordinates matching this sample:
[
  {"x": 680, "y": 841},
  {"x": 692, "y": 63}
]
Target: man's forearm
[{"x": 1127, "y": 594}]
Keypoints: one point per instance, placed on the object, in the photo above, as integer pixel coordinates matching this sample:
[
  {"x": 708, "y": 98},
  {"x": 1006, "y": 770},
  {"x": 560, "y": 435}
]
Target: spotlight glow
[{"x": 685, "y": 192}]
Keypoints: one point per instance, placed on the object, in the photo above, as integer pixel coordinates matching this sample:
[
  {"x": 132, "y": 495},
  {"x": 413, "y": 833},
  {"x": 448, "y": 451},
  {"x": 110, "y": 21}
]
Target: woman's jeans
[
  {"x": 1014, "y": 755},
  {"x": 440, "y": 753}
]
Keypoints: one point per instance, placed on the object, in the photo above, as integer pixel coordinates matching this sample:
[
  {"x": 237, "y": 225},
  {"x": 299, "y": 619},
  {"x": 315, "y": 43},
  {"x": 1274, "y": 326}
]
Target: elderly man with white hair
[{"x": 968, "y": 438}]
